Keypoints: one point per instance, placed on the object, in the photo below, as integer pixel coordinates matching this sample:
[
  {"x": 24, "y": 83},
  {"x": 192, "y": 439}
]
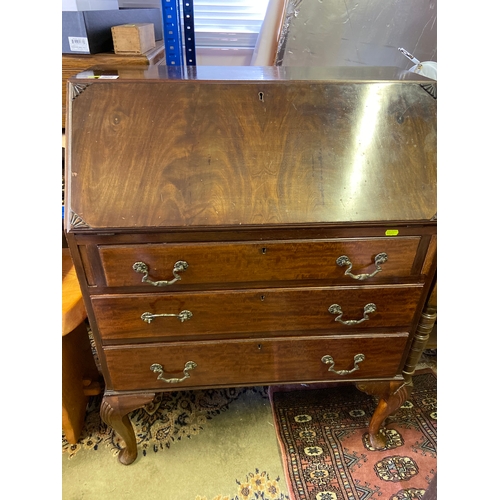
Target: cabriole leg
[
  {"x": 114, "y": 412},
  {"x": 391, "y": 396}
]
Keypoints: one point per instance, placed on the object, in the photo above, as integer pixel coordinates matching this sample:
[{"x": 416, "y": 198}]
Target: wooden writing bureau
[{"x": 252, "y": 226}]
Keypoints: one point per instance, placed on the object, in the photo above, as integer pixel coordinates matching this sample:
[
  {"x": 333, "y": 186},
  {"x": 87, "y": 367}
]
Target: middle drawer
[{"x": 182, "y": 315}]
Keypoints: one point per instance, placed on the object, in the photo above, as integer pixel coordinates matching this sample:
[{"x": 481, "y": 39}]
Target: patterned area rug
[
  {"x": 326, "y": 451},
  {"x": 175, "y": 416},
  {"x": 179, "y": 415},
  {"x": 171, "y": 416},
  {"x": 256, "y": 486}
]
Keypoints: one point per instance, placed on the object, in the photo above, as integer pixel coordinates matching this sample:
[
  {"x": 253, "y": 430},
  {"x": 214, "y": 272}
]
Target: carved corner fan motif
[
  {"x": 77, "y": 89},
  {"x": 77, "y": 222},
  {"x": 430, "y": 89}
]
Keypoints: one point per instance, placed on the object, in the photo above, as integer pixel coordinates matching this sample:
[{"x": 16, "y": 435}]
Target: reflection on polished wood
[
  {"x": 255, "y": 152},
  {"x": 259, "y": 179},
  {"x": 76, "y": 63}
]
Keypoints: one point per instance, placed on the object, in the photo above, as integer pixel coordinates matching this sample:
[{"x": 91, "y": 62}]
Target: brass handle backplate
[
  {"x": 182, "y": 316},
  {"x": 157, "y": 368},
  {"x": 328, "y": 360},
  {"x": 336, "y": 309},
  {"x": 343, "y": 260},
  {"x": 141, "y": 267}
]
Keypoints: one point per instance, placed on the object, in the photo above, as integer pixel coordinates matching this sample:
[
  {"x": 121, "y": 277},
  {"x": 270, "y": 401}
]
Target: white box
[
  {"x": 89, "y": 31},
  {"x": 80, "y": 5},
  {"x": 139, "y": 4}
]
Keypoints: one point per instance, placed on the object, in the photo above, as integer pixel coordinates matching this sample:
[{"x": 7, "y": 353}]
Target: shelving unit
[{"x": 178, "y": 14}]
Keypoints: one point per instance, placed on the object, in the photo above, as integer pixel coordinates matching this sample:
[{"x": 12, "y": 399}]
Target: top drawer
[{"x": 158, "y": 265}]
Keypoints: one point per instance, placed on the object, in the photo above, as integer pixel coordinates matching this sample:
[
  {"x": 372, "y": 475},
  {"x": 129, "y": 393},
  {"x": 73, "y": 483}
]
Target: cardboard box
[
  {"x": 135, "y": 38},
  {"x": 89, "y": 32}
]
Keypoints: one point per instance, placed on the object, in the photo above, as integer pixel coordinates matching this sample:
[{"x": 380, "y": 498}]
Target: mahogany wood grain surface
[
  {"x": 254, "y": 362},
  {"x": 258, "y": 178},
  {"x": 211, "y": 263},
  {"x": 265, "y": 310},
  {"x": 258, "y": 152}
]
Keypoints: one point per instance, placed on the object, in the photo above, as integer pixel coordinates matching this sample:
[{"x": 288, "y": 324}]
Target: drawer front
[
  {"x": 254, "y": 362},
  {"x": 262, "y": 310},
  {"x": 210, "y": 263}
]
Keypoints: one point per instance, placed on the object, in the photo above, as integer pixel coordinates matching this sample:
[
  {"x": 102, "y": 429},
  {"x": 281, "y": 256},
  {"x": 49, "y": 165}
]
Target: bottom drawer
[{"x": 253, "y": 362}]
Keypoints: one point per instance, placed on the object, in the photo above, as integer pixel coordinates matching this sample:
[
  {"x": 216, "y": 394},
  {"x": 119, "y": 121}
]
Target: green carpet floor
[{"x": 234, "y": 449}]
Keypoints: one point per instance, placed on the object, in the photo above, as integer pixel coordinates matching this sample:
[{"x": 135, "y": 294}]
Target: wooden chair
[{"x": 80, "y": 377}]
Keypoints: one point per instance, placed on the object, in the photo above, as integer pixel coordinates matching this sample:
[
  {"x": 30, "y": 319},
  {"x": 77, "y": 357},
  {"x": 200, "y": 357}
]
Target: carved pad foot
[
  {"x": 114, "y": 412},
  {"x": 378, "y": 441},
  {"x": 127, "y": 456}
]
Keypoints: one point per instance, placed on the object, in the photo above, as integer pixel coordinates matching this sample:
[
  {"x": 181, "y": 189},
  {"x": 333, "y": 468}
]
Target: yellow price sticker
[{"x": 391, "y": 232}]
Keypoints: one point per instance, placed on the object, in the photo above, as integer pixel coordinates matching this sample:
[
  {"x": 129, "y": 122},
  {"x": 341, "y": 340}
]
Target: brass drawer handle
[
  {"x": 182, "y": 316},
  {"x": 329, "y": 361},
  {"x": 141, "y": 267},
  {"x": 343, "y": 260},
  {"x": 336, "y": 309},
  {"x": 156, "y": 368}
]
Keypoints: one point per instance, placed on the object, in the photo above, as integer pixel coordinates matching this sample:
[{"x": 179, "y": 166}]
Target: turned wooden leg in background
[
  {"x": 424, "y": 329},
  {"x": 114, "y": 412},
  {"x": 80, "y": 379},
  {"x": 393, "y": 394}
]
